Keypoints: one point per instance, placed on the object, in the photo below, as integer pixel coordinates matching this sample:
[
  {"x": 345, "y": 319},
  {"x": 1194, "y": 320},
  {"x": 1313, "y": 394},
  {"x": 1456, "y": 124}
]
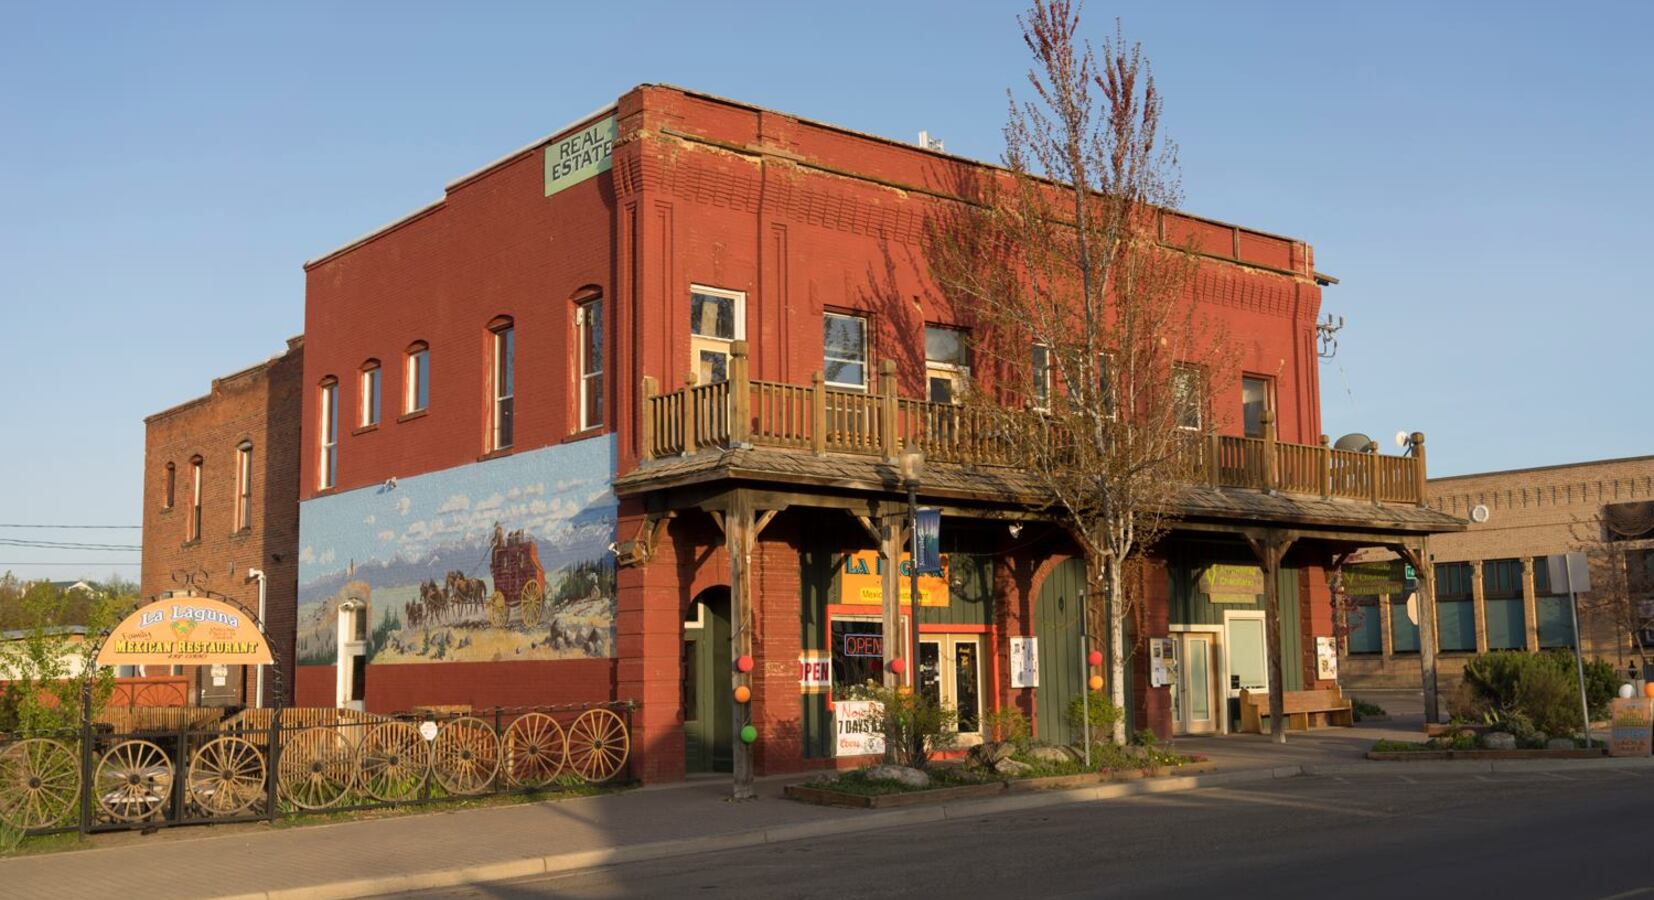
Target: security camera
[
  {"x": 613, "y": 547},
  {"x": 1016, "y": 529},
  {"x": 390, "y": 483}
]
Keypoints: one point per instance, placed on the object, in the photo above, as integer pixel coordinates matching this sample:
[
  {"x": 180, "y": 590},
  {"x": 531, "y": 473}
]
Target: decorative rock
[
  {"x": 1561, "y": 743},
  {"x": 903, "y": 774},
  {"x": 1467, "y": 732},
  {"x": 991, "y": 752},
  {"x": 1054, "y": 755},
  {"x": 1010, "y": 768},
  {"x": 1499, "y": 740}
]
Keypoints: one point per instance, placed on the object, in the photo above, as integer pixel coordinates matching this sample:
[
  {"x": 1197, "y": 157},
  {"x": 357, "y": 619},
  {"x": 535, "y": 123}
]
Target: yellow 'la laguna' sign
[
  {"x": 186, "y": 631},
  {"x": 861, "y": 581}
]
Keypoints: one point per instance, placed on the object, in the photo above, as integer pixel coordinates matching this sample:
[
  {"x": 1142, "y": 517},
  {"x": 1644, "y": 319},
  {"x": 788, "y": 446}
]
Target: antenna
[
  {"x": 930, "y": 143},
  {"x": 1326, "y": 335}
]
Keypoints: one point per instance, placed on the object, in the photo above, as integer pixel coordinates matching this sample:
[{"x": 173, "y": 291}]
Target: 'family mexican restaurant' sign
[
  {"x": 187, "y": 631},
  {"x": 1223, "y": 583},
  {"x": 861, "y": 581}
]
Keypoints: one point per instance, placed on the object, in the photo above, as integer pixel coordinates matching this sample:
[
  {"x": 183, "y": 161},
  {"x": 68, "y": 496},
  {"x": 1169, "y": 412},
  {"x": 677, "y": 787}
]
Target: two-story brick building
[{"x": 510, "y": 494}]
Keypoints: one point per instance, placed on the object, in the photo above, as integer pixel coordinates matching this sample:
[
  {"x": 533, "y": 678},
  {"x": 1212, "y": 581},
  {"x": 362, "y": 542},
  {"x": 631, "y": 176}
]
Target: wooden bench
[{"x": 1303, "y": 709}]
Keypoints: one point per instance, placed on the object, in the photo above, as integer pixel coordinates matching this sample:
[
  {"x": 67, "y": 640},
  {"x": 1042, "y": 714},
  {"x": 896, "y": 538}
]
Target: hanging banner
[
  {"x": 861, "y": 581},
  {"x": 1224, "y": 583},
  {"x": 186, "y": 631},
  {"x": 927, "y": 540},
  {"x": 1370, "y": 579}
]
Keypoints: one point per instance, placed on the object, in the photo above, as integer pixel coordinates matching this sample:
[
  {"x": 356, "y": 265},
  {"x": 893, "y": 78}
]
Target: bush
[
  {"x": 908, "y": 716},
  {"x": 1007, "y": 725},
  {"x": 1526, "y": 693},
  {"x": 1103, "y": 714}
]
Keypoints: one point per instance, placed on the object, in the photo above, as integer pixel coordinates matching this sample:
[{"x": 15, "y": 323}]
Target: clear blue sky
[{"x": 1476, "y": 174}]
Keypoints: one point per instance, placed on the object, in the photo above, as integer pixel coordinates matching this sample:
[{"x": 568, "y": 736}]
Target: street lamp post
[{"x": 913, "y": 468}]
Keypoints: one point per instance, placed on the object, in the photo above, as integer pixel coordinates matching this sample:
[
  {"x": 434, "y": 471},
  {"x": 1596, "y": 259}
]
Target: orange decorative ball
[
  {"x": 1648, "y": 689},
  {"x": 1096, "y": 682},
  {"x": 744, "y": 664},
  {"x": 1095, "y": 657},
  {"x": 898, "y": 666},
  {"x": 743, "y": 694}
]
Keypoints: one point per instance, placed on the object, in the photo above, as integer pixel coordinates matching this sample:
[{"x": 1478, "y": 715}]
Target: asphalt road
[{"x": 1585, "y": 834}]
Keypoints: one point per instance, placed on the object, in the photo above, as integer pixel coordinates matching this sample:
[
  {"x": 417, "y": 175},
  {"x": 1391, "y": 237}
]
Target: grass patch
[
  {"x": 856, "y": 781},
  {"x": 1387, "y": 746},
  {"x": 1361, "y": 709}
]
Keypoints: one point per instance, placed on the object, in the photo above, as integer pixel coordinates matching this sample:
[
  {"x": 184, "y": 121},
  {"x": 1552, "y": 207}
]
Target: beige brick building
[{"x": 1492, "y": 588}]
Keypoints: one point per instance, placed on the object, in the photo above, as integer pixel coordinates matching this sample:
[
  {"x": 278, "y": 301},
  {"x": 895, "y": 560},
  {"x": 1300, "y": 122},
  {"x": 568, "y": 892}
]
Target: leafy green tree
[{"x": 47, "y": 656}]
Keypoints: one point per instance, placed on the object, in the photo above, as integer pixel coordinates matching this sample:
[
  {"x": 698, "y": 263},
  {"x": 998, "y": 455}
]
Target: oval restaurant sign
[{"x": 186, "y": 631}]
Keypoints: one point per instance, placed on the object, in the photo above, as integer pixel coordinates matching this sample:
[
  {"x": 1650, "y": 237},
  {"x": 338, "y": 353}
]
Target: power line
[
  {"x": 100, "y": 562},
  {"x": 16, "y": 525},
  {"x": 66, "y": 545}
]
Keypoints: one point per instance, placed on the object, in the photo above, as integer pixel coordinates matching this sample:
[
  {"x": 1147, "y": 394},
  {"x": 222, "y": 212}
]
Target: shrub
[
  {"x": 1007, "y": 725},
  {"x": 1103, "y": 714},
  {"x": 1534, "y": 692},
  {"x": 907, "y": 716}
]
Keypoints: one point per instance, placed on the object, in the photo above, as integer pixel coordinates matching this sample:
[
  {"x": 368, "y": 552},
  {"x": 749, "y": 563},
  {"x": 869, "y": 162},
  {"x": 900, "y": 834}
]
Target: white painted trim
[{"x": 740, "y": 298}]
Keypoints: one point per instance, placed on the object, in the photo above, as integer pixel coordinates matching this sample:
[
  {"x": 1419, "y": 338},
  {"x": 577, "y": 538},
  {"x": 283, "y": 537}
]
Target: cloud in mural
[
  {"x": 454, "y": 504},
  {"x": 387, "y": 535},
  {"x": 307, "y": 555}
]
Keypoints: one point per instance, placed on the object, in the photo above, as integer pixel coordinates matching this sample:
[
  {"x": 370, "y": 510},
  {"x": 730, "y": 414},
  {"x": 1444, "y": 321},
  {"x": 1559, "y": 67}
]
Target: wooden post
[
  {"x": 1326, "y": 468},
  {"x": 1269, "y": 550},
  {"x": 1386, "y": 639},
  {"x": 1418, "y": 556},
  {"x": 890, "y": 586},
  {"x": 738, "y": 528},
  {"x": 1214, "y": 466},
  {"x": 686, "y": 414},
  {"x": 1271, "y": 477},
  {"x": 818, "y": 414},
  {"x": 646, "y": 421},
  {"x": 887, "y": 409},
  {"x": 1417, "y": 440},
  {"x": 1372, "y": 468},
  {"x": 740, "y": 395}
]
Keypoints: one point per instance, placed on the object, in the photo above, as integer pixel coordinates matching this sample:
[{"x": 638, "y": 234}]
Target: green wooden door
[
  {"x": 708, "y": 700},
  {"x": 1057, "y": 613}
]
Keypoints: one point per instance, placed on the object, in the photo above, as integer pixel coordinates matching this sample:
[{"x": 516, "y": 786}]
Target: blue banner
[{"x": 927, "y": 541}]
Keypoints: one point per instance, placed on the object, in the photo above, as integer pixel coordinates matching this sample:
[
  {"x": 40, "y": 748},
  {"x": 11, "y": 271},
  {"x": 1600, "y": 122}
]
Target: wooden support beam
[
  {"x": 1270, "y": 547},
  {"x": 873, "y": 532},
  {"x": 738, "y": 539},
  {"x": 1417, "y": 555},
  {"x": 890, "y": 586}
]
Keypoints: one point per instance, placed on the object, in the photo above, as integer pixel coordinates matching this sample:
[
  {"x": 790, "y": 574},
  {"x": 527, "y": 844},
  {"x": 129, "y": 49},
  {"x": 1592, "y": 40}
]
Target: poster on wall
[
  {"x": 1326, "y": 658},
  {"x": 861, "y": 581},
  {"x": 815, "y": 672},
  {"x": 1162, "y": 662},
  {"x": 859, "y": 729},
  {"x": 501, "y": 560},
  {"x": 1024, "y": 662}
]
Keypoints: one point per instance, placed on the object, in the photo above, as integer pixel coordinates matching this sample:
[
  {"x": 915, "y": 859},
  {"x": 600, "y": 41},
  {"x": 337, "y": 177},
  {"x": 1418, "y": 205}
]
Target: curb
[{"x": 869, "y": 821}]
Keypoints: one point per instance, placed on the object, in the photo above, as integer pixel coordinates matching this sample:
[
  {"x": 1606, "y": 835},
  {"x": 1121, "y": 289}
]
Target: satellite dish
[
  {"x": 1401, "y": 439},
  {"x": 1355, "y": 442},
  {"x": 1478, "y": 513}
]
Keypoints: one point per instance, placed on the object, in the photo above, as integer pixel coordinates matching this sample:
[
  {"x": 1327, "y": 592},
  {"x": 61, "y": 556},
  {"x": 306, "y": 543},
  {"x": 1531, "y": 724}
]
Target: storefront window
[
  {"x": 1366, "y": 625},
  {"x": 858, "y": 654}
]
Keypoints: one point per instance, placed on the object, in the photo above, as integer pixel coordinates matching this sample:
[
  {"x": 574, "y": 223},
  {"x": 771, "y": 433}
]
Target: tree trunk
[{"x": 1117, "y": 650}]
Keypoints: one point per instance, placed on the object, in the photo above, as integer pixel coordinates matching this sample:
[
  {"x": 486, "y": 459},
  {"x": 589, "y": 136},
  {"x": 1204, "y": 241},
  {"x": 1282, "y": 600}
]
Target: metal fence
[{"x": 258, "y": 765}]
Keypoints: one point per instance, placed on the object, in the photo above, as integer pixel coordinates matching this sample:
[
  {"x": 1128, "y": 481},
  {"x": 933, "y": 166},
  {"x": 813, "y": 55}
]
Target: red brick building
[
  {"x": 221, "y": 499},
  {"x": 504, "y": 372}
]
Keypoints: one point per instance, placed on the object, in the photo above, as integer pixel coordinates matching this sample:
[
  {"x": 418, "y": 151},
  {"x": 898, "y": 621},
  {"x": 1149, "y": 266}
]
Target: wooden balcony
[{"x": 821, "y": 420}]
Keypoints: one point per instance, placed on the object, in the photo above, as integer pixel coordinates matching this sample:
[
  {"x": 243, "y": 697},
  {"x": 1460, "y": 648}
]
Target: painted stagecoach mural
[{"x": 502, "y": 560}]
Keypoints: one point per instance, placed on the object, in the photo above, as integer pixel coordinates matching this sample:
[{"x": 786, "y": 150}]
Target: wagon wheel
[
  {"x": 535, "y": 749},
  {"x": 394, "y": 762},
  {"x": 39, "y": 783},
  {"x": 533, "y": 603},
  {"x": 598, "y": 745},
  {"x": 226, "y": 776},
  {"x": 499, "y": 614},
  {"x": 133, "y": 781},
  {"x": 465, "y": 756},
  {"x": 317, "y": 768}
]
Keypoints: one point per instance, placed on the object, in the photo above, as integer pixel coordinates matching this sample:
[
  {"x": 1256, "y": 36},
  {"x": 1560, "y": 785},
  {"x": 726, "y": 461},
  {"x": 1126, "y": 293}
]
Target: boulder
[
  {"x": 1052, "y": 755},
  {"x": 1467, "y": 733},
  {"x": 1499, "y": 740},
  {"x": 1561, "y": 743},
  {"x": 902, "y": 774},
  {"x": 1010, "y": 768},
  {"x": 991, "y": 752}
]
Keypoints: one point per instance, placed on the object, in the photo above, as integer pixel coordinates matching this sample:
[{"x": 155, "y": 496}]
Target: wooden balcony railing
[{"x": 819, "y": 419}]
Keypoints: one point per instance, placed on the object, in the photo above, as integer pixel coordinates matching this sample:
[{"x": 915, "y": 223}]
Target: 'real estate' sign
[
  {"x": 577, "y": 157},
  {"x": 187, "y": 631}
]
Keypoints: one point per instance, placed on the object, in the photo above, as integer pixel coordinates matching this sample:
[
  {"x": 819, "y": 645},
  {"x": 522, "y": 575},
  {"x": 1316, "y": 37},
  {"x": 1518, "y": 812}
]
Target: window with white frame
[
  {"x": 589, "y": 321},
  {"x": 716, "y": 321},
  {"x": 504, "y": 386},
  {"x": 417, "y": 395},
  {"x": 244, "y": 486},
  {"x": 844, "y": 350},
  {"x": 1187, "y": 397},
  {"x": 327, "y": 469},
  {"x": 194, "y": 532},
  {"x": 170, "y": 487},
  {"x": 370, "y": 393},
  {"x": 947, "y": 363},
  {"x": 1040, "y": 374}
]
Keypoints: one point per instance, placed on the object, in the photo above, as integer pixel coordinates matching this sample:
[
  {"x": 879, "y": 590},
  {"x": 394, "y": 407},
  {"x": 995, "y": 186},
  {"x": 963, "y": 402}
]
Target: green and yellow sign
[
  {"x": 577, "y": 157},
  {"x": 1370, "y": 579},
  {"x": 1225, "y": 583}
]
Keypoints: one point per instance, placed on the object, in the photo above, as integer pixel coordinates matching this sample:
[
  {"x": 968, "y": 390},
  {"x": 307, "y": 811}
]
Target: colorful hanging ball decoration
[
  {"x": 744, "y": 663},
  {"x": 1095, "y": 657},
  {"x": 898, "y": 666},
  {"x": 1627, "y": 691},
  {"x": 743, "y": 694},
  {"x": 1648, "y": 690},
  {"x": 748, "y": 734},
  {"x": 1096, "y": 682}
]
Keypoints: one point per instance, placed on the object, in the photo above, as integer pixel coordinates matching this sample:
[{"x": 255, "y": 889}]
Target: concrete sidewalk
[{"x": 432, "y": 850}]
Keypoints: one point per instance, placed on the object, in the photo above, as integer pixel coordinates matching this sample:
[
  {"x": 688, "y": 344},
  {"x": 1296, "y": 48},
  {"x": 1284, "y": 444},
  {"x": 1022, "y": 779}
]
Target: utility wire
[
  {"x": 67, "y": 545},
  {"x": 16, "y": 525},
  {"x": 99, "y": 562}
]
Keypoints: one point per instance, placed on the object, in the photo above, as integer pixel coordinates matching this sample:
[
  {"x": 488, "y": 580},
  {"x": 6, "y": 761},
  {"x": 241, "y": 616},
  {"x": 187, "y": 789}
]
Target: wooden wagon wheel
[
  {"x": 465, "y": 756},
  {"x": 394, "y": 762},
  {"x": 598, "y": 745},
  {"x": 535, "y": 750},
  {"x": 226, "y": 776},
  {"x": 39, "y": 783},
  {"x": 317, "y": 767},
  {"x": 133, "y": 780},
  {"x": 532, "y": 603},
  {"x": 499, "y": 614}
]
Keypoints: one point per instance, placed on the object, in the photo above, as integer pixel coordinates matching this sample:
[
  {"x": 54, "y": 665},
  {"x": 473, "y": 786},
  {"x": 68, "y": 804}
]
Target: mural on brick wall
[{"x": 502, "y": 560}]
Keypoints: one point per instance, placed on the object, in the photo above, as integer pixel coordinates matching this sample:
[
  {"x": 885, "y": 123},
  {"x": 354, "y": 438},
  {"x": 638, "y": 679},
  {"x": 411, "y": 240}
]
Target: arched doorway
[
  {"x": 1057, "y": 613},
  {"x": 707, "y": 695}
]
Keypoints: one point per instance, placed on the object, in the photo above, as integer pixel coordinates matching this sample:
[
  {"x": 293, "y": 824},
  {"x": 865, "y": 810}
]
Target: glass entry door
[
  {"x": 950, "y": 673},
  {"x": 1194, "y": 709}
]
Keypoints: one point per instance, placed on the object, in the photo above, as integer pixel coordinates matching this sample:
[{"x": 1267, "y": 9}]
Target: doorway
[
  {"x": 950, "y": 675},
  {"x": 1246, "y": 648},
  {"x": 1194, "y": 683},
  {"x": 708, "y": 701},
  {"x": 1057, "y": 612}
]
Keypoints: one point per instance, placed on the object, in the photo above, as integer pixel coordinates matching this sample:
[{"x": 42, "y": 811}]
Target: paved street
[{"x": 1580, "y": 834}]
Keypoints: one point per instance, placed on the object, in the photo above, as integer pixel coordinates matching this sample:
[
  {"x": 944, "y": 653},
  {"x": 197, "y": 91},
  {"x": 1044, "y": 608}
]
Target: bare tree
[
  {"x": 1088, "y": 358},
  {"x": 1622, "y": 584}
]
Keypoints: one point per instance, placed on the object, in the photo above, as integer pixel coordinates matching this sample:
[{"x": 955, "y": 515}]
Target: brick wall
[{"x": 257, "y": 405}]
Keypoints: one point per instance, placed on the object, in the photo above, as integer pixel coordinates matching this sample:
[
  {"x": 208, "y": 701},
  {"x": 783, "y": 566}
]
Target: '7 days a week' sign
[{"x": 576, "y": 157}]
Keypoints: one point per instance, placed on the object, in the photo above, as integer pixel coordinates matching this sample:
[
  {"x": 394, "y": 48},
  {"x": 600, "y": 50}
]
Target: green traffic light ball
[{"x": 748, "y": 734}]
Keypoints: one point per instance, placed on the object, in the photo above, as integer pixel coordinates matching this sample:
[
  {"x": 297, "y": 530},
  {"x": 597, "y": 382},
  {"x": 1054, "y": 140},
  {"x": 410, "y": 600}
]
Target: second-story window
[
  {"x": 947, "y": 364},
  {"x": 170, "y": 488},
  {"x": 589, "y": 320},
  {"x": 715, "y": 321},
  {"x": 244, "y": 486},
  {"x": 370, "y": 393},
  {"x": 844, "y": 351},
  {"x": 1254, "y": 401},
  {"x": 417, "y": 377},
  {"x": 504, "y": 385},
  {"x": 1039, "y": 372},
  {"x": 327, "y": 470},
  {"x": 1187, "y": 397},
  {"x": 194, "y": 530}
]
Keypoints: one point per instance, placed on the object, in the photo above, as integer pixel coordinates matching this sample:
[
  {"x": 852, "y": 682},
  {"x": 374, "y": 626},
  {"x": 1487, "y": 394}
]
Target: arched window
[
  {"x": 416, "y": 377},
  {"x": 503, "y": 387},
  {"x": 244, "y": 486},
  {"x": 193, "y": 532},
  {"x": 327, "y": 470},
  {"x": 588, "y": 321},
  {"x": 370, "y": 393},
  {"x": 169, "y": 490}
]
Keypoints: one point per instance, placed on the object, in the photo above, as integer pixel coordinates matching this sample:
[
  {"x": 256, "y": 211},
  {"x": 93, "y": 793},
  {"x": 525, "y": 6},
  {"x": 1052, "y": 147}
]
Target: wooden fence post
[
  {"x": 887, "y": 409},
  {"x": 1214, "y": 463},
  {"x": 646, "y": 423},
  {"x": 1373, "y": 468},
  {"x": 1326, "y": 467},
  {"x": 740, "y": 395},
  {"x": 1417, "y": 440},
  {"x": 818, "y": 413},
  {"x": 686, "y": 414},
  {"x": 1271, "y": 477}
]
